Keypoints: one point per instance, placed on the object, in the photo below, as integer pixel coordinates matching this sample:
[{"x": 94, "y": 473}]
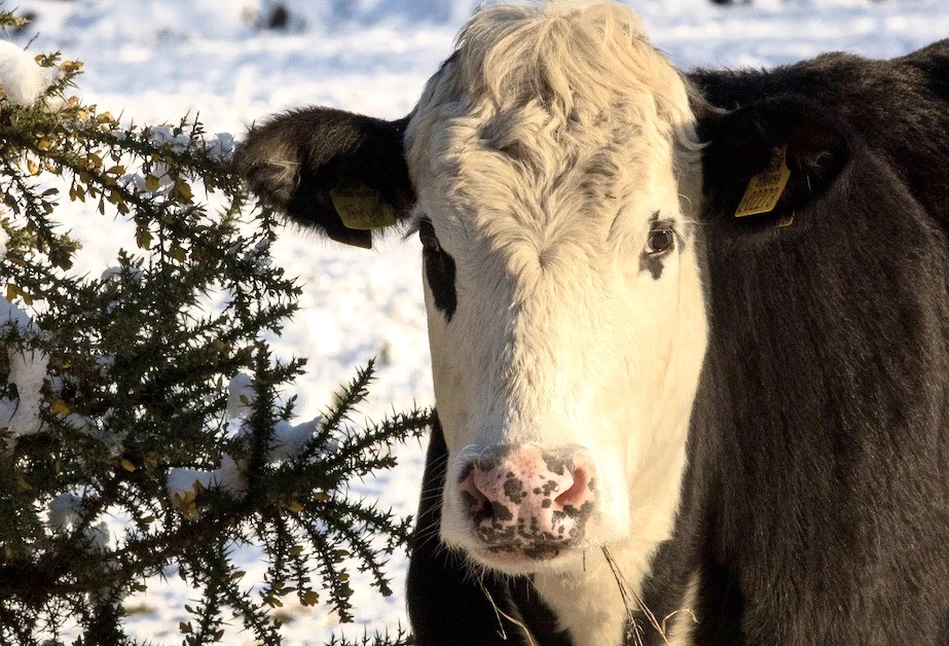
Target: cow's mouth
[
  {"x": 527, "y": 557},
  {"x": 524, "y": 530},
  {"x": 522, "y": 548},
  {"x": 534, "y": 551}
]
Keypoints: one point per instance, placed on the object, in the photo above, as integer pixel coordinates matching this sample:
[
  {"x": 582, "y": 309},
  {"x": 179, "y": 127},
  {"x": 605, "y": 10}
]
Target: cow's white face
[{"x": 555, "y": 181}]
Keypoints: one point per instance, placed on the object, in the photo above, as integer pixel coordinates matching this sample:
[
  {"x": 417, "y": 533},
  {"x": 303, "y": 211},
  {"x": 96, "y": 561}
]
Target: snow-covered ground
[{"x": 156, "y": 60}]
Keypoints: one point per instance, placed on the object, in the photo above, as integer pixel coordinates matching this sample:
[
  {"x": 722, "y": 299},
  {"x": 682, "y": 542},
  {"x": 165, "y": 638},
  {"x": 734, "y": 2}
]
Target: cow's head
[
  {"x": 552, "y": 174},
  {"x": 566, "y": 320}
]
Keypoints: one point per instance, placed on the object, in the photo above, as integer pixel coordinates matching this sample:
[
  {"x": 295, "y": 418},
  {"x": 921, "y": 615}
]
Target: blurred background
[{"x": 374, "y": 55}]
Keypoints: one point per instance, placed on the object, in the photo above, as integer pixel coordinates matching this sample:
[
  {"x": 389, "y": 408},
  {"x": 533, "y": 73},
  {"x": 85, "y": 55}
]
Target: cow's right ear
[
  {"x": 769, "y": 159},
  {"x": 339, "y": 173}
]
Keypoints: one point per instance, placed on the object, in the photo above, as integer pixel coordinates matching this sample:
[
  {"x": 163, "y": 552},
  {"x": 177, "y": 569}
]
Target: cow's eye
[
  {"x": 426, "y": 233},
  {"x": 660, "y": 241}
]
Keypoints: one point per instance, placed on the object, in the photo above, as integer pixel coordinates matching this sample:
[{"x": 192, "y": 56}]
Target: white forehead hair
[{"x": 554, "y": 66}]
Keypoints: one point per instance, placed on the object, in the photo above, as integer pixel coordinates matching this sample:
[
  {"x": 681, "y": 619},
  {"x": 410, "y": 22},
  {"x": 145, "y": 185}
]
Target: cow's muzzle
[{"x": 525, "y": 502}]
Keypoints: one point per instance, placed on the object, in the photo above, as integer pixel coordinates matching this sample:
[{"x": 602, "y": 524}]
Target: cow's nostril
[
  {"x": 473, "y": 498},
  {"x": 577, "y": 493}
]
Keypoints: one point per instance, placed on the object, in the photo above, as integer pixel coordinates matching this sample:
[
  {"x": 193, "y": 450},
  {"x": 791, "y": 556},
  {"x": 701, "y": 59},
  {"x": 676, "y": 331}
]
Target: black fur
[
  {"x": 816, "y": 506},
  {"x": 818, "y": 503},
  {"x": 294, "y": 160},
  {"x": 439, "y": 270},
  {"x": 898, "y": 106},
  {"x": 744, "y": 140}
]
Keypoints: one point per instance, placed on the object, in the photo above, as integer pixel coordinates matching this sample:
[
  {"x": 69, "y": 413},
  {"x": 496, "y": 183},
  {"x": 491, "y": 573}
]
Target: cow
[{"x": 689, "y": 333}]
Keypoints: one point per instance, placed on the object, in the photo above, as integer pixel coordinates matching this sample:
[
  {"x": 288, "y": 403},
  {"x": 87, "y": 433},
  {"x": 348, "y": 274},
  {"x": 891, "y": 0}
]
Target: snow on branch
[
  {"x": 23, "y": 80},
  {"x": 287, "y": 442}
]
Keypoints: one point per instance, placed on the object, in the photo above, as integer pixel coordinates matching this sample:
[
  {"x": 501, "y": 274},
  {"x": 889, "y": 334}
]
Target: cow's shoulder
[
  {"x": 839, "y": 80},
  {"x": 835, "y": 75},
  {"x": 932, "y": 63},
  {"x": 879, "y": 98}
]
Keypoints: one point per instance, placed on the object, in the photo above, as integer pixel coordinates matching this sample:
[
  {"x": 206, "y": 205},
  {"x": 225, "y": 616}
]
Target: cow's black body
[{"x": 816, "y": 505}]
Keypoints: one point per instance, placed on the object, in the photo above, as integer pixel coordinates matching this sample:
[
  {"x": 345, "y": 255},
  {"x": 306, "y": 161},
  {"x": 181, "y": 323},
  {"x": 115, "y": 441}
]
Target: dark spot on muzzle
[{"x": 514, "y": 488}]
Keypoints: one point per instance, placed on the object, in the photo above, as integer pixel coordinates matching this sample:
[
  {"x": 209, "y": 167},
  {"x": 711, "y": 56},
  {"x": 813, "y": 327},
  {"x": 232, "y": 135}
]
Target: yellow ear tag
[
  {"x": 765, "y": 189},
  {"x": 362, "y": 208}
]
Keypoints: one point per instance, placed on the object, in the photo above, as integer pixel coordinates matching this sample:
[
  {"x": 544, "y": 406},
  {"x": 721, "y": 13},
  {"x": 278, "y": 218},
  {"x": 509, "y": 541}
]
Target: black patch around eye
[
  {"x": 439, "y": 271},
  {"x": 662, "y": 236},
  {"x": 652, "y": 263}
]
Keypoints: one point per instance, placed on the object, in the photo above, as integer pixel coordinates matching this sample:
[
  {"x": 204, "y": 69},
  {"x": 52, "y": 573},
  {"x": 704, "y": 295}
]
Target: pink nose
[{"x": 530, "y": 502}]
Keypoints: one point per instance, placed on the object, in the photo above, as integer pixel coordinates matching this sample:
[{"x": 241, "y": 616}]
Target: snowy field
[{"x": 154, "y": 61}]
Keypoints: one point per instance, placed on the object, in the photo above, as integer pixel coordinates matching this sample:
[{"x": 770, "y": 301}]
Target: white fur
[
  {"x": 684, "y": 620},
  {"x": 540, "y": 152}
]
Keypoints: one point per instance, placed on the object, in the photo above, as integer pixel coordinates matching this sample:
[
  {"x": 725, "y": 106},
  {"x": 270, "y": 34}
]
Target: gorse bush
[{"x": 140, "y": 418}]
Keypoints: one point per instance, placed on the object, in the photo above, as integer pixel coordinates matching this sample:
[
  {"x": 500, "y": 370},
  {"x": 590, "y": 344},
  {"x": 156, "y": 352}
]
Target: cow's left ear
[
  {"x": 769, "y": 159},
  {"x": 339, "y": 173}
]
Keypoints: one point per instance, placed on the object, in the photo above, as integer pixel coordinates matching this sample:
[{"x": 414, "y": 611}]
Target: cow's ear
[
  {"x": 339, "y": 173},
  {"x": 768, "y": 160}
]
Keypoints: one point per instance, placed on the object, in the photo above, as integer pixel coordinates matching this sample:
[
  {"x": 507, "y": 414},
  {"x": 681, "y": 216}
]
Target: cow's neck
[
  {"x": 590, "y": 604},
  {"x": 595, "y": 599}
]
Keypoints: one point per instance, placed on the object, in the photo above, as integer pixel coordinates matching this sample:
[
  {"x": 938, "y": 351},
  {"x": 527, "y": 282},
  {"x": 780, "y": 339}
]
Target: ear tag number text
[
  {"x": 765, "y": 189},
  {"x": 362, "y": 208}
]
